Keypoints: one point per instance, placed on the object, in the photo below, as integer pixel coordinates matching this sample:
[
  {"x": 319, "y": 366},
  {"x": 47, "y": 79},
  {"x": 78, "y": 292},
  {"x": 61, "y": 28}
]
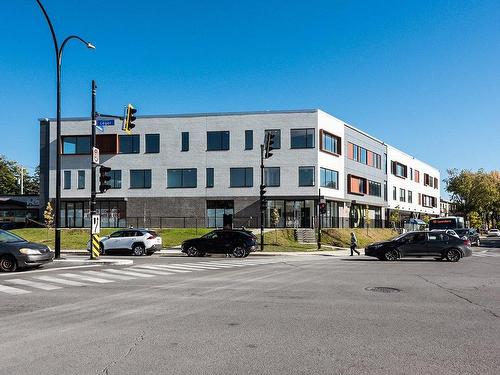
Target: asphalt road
[{"x": 259, "y": 315}]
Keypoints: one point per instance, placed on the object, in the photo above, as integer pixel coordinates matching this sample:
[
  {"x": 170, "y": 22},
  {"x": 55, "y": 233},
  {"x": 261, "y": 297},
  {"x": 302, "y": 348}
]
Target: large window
[
  {"x": 277, "y": 137},
  {"x": 302, "y": 138},
  {"x": 306, "y": 176},
  {"x": 129, "y": 144},
  {"x": 116, "y": 179},
  {"x": 140, "y": 178},
  {"x": 185, "y": 141},
  {"x": 218, "y": 141},
  {"x": 210, "y": 177},
  {"x": 67, "y": 179},
  {"x": 402, "y": 195},
  {"x": 330, "y": 143},
  {"x": 81, "y": 179},
  {"x": 241, "y": 177},
  {"x": 399, "y": 169},
  {"x": 152, "y": 143},
  {"x": 329, "y": 178},
  {"x": 272, "y": 176},
  {"x": 248, "y": 139},
  {"x": 79, "y": 144},
  {"x": 357, "y": 185},
  {"x": 364, "y": 156},
  {"x": 182, "y": 178},
  {"x": 374, "y": 188},
  {"x": 216, "y": 210}
]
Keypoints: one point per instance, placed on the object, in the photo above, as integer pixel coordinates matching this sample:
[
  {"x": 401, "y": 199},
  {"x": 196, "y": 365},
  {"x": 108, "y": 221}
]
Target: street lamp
[{"x": 59, "y": 52}]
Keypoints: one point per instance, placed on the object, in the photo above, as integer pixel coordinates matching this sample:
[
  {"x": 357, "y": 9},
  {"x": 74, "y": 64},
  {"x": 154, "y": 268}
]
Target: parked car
[
  {"x": 421, "y": 244},
  {"x": 237, "y": 242},
  {"x": 494, "y": 232},
  {"x": 137, "y": 241},
  {"x": 469, "y": 234},
  {"x": 17, "y": 253}
]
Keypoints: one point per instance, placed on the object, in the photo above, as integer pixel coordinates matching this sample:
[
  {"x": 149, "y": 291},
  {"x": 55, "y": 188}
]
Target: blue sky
[{"x": 422, "y": 75}]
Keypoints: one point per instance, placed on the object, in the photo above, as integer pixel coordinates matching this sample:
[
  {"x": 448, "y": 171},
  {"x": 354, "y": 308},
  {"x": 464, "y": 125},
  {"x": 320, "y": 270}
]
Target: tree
[
  {"x": 395, "y": 217},
  {"x": 275, "y": 218},
  {"x": 10, "y": 178},
  {"x": 475, "y": 220},
  {"x": 32, "y": 183},
  {"x": 48, "y": 217},
  {"x": 426, "y": 218}
]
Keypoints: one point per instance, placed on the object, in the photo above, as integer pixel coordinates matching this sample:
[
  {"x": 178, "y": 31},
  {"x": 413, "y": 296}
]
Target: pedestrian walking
[{"x": 354, "y": 243}]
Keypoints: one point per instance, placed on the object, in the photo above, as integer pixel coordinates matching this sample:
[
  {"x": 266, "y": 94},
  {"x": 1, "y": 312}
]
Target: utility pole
[
  {"x": 92, "y": 174},
  {"x": 21, "y": 178},
  {"x": 261, "y": 200}
]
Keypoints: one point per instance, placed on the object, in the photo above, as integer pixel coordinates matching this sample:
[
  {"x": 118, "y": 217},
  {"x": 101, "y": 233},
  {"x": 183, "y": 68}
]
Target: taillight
[
  {"x": 151, "y": 237},
  {"x": 467, "y": 242}
]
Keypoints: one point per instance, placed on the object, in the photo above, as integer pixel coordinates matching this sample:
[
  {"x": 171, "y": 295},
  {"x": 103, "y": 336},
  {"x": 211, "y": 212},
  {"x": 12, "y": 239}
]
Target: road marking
[
  {"x": 100, "y": 274},
  {"x": 59, "y": 281},
  {"x": 129, "y": 273},
  {"x": 198, "y": 268},
  {"x": 218, "y": 264},
  {"x": 161, "y": 267},
  {"x": 86, "y": 278},
  {"x": 54, "y": 269},
  {"x": 33, "y": 284},
  {"x": 161, "y": 273},
  {"x": 12, "y": 290}
]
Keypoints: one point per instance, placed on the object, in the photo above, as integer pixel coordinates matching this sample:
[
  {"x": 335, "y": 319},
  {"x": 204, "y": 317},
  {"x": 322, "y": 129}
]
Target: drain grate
[{"x": 383, "y": 289}]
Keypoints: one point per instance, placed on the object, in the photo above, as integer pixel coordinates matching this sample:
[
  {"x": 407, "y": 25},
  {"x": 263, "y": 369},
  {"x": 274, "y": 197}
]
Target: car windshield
[
  {"x": 400, "y": 236},
  {"x": 6, "y": 237}
]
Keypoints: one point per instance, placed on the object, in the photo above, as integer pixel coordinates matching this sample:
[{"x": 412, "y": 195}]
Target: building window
[
  {"x": 410, "y": 196},
  {"x": 129, "y": 144},
  {"x": 329, "y": 178},
  {"x": 81, "y": 179},
  {"x": 182, "y": 178},
  {"x": 248, "y": 139},
  {"x": 76, "y": 145},
  {"x": 435, "y": 183},
  {"x": 152, "y": 143},
  {"x": 374, "y": 188},
  {"x": 402, "y": 195},
  {"x": 357, "y": 185},
  {"x": 394, "y": 193},
  {"x": 272, "y": 176},
  {"x": 116, "y": 179},
  {"x": 218, "y": 141},
  {"x": 277, "y": 137},
  {"x": 385, "y": 191},
  {"x": 364, "y": 156},
  {"x": 185, "y": 141},
  {"x": 330, "y": 143},
  {"x": 140, "y": 178},
  {"x": 417, "y": 176},
  {"x": 306, "y": 176},
  {"x": 241, "y": 177},
  {"x": 107, "y": 143},
  {"x": 399, "y": 169},
  {"x": 210, "y": 177},
  {"x": 428, "y": 201},
  {"x": 67, "y": 179},
  {"x": 302, "y": 138},
  {"x": 411, "y": 174}
]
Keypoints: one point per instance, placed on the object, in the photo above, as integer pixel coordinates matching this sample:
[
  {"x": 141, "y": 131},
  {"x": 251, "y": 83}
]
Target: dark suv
[
  {"x": 470, "y": 234},
  {"x": 436, "y": 244},
  {"x": 239, "y": 243}
]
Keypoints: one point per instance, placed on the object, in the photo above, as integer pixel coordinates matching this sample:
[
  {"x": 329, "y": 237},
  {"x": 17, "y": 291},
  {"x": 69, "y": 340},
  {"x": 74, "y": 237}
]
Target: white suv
[{"x": 138, "y": 241}]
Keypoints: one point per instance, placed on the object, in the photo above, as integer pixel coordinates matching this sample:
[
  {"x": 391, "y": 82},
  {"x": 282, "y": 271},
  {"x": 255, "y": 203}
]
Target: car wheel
[
  {"x": 138, "y": 250},
  {"x": 247, "y": 253},
  {"x": 452, "y": 255},
  {"x": 391, "y": 255},
  {"x": 192, "y": 251},
  {"x": 239, "y": 252},
  {"x": 8, "y": 263}
]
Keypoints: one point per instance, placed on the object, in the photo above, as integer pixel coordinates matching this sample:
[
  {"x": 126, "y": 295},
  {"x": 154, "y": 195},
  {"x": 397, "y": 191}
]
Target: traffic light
[
  {"x": 263, "y": 200},
  {"x": 104, "y": 178},
  {"x": 129, "y": 118},
  {"x": 269, "y": 142},
  {"x": 322, "y": 208}
]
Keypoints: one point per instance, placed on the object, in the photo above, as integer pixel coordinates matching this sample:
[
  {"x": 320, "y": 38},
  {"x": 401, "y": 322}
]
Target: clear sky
[{"x": 421, "y": 75}]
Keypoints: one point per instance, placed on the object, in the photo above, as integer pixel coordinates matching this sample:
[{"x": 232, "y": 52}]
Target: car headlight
[{"x": 26, "y": 251}]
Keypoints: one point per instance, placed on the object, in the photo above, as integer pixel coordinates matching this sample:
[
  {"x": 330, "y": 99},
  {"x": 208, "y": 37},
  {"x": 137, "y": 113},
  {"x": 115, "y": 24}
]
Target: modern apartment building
[{"x": 187, "y": 170}]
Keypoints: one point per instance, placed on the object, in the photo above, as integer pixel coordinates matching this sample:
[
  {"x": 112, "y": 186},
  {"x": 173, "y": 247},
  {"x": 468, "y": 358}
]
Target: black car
[
  {"x": 16, "y": 252},
  {"x": 239, "y": 243},
  {"x": 470, "y": 234},
  {"x": 436, "y": 244}
]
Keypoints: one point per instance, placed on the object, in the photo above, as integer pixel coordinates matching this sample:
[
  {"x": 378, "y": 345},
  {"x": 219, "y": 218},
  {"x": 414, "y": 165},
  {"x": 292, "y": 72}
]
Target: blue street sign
[
  {"x": 102, "y": 123},
  {"x": 100, "y": 128}
]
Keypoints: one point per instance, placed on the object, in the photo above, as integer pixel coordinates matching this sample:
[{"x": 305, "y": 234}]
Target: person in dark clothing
[{"x": 354, "y": 243}]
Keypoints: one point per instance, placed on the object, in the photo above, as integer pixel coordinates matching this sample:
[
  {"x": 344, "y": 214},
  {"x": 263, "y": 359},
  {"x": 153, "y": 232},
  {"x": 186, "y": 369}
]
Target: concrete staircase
[{"x": 305, "y": 235}]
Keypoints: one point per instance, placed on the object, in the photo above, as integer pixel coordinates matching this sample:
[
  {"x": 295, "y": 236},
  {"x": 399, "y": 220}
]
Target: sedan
[
  {"x": 421, "y": 244},
  {"x": 239, "y": 243},
  {"x": 494, "y": 232},
  {"x": 16, "y": 253}
]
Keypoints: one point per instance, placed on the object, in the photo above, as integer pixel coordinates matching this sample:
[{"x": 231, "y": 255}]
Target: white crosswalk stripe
[
  {"x": 154, "y": 272},
  {"x": 33, "y": 284},
  {"x": 129, "y": 273},
  {"x": 12, "y": 290},
  {"x": 58, "y": 280},
  {"x": 192, "y": 267},
  {"x": 110, "y": 276},
  {"x": 87, "y": 278},
  {"x": 165, "y": 267}
]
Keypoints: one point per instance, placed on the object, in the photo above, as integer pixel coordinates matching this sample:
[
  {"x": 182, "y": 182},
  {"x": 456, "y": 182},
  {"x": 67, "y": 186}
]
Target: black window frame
[
  {"x": 266, "y": 175},
  {"x": 185, "y": 141},
  {"x": 304, "y": 167},
  {"x": 222, "y": 143},
  {"x": 378, "y": 188},
  {"x": 183, "y": 172},
  {"x": 249, "y": 139},
  {"x": 114, "y": 181},
  {"x": 248, "y": 176},
  {"x": 145, "y": 173},
  {"x": 148, "y": 139},
  {"x": 135, "y": 140},
  {"x": 335, "y": 139},
  {"x": 327, "y": 171},
  {"x": 80, "y": 185},
  {"x": 308, "y": 131},
  {"x": 67, "y": 180},
  {"x": 78, "y": 139},
  {"x": 210, "y": 177}
]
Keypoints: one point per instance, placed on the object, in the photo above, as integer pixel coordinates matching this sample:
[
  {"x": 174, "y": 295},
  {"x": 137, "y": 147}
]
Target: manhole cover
[{"x": 383, "y": 289}]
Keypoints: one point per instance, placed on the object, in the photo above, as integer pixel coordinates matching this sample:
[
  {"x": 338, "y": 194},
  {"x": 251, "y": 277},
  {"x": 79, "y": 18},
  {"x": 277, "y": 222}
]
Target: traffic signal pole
[
  {"x": 93, "y": 169},
  {"x": 261, "y": 203},
  {"x": 319, "y": 219}
]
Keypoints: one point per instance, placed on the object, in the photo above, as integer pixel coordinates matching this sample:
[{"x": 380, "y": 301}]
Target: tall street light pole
[{"x": 59, "y": 53}]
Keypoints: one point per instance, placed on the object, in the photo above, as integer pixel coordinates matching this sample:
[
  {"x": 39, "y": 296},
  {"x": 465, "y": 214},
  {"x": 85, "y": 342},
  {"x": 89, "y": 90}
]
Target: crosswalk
[
  {"x": 18, "y": 285},
  {"x": 484, "y": 254}
]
